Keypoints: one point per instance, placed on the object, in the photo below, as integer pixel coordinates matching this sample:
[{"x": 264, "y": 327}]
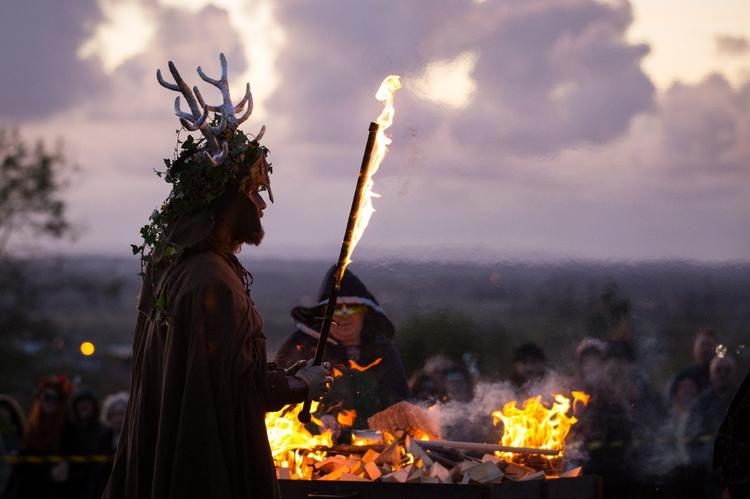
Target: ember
[{"x": 357, "y": 367}]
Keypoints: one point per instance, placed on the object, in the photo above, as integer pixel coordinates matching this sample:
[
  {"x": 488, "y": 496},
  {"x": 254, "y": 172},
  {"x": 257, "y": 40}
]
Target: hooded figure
[
  {"x": 370, "y": 374},
  {"x": 84, "y": 435},
  {"x": 200, "y": 384}
]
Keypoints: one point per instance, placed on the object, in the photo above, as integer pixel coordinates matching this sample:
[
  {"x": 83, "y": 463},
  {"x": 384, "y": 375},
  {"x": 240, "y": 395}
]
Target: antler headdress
[
  {"x": 197, "y": 119},
  {"x": 202, "y": 171}
]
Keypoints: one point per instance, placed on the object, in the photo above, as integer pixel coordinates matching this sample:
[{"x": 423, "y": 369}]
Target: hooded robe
[
  {"x": 200, "y": 387},
  {"x": 369, "y": 391}
]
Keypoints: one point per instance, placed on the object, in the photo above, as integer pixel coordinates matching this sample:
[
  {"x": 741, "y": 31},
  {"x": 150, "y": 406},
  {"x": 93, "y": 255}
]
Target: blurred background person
[
  {"x": 371, "y": 374},
  {"x": 704, "y": 349},
  {"x": 703, "y": 421},
  {"x": 528, "y": 367},
  {"x": 12, "y": 432},
  {"x": 85, "y": 435},
  {"x": 43, "y": 438},
  {"x": 589, "y": 363},
  {"x": 113, "y": 415}
]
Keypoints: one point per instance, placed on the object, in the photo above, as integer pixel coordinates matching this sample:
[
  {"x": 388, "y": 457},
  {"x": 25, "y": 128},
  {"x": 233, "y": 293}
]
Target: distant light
[{"x": 87, "y": 348}]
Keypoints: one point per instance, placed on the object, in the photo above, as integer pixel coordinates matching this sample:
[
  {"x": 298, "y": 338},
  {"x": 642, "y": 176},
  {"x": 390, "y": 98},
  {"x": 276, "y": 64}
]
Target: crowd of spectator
[
  {"x": 63, "y": 448},
  {"x": 644, "y": 442}
]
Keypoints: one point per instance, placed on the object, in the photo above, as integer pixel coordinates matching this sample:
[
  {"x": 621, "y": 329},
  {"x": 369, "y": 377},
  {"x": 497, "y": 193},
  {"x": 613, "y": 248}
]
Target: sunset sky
[{"x": 526, "y": 129}]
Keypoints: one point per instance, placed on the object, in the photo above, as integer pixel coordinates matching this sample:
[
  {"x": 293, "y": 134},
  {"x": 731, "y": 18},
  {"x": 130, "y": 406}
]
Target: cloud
[
  {"x": 525, "y": 128},
  {"x": 732, "y": 45},
  {"x": 42, "y": 73}
]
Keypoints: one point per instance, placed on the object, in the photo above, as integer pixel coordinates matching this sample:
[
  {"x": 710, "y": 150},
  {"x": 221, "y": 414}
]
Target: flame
[
  {"x": 357, "y": 367},
  {"x": 293, "y": 447},
  {"x": 346, "y": 417},
  {"x": 384, "y": 94},
  {"x": 337, "y": 372},
  {"x": 537, "y": 425}
]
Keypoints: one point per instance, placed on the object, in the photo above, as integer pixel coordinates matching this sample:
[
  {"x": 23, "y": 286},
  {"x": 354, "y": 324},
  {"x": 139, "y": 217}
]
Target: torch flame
[{"x": 384, "y": 94}]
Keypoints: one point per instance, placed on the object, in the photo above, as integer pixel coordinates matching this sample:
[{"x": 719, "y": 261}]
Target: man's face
[
  {"x": 347, "y": 323},
  {"x": 84, "y": 409},
  {"x": 722, "y": 373},
  {"x": 592, "y": 367},
  {"x": 246, "y": 214},
  {"x": 530, "y": 369},
  {"x": 704, "y": 349},
  {"x": 50, "y": 401}
]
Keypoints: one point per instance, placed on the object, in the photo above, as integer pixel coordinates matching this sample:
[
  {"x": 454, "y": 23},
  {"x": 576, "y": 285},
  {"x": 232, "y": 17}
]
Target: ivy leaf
[
  {"x": 189, "y": 141},
  {"x": 170, "y": 251},
  {"x": 161, "y": 302},
  {"x": 136, "y": 249}
]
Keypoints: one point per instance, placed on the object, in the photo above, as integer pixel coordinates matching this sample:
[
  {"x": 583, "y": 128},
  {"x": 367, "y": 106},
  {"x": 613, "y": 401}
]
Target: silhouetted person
[
  {"x": 528, "y": 365},
  {"x": 113, "y": 415},
  {"x": 703, "y": 422},
  {"x": 84, "y": 435},
  {"x": 704, "y": 349},
  {"x": 43, "y": 438},
  {"x": 12, "y": 432}
]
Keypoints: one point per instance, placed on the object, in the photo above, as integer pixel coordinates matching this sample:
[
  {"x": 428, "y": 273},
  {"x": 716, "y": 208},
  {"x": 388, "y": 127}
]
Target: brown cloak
[{"x": 200, "y": 387}]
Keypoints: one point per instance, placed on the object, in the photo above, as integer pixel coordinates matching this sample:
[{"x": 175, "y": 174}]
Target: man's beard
[{"x": 249, "y": 229}]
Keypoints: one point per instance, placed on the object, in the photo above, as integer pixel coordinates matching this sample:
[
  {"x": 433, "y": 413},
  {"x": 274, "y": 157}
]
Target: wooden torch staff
[{"x": 304, "y": 415}]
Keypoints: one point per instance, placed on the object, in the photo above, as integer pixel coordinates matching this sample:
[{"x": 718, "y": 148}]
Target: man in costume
[
  {"x": 360, "y": 346},
  {"x": 200, "y": 384}
]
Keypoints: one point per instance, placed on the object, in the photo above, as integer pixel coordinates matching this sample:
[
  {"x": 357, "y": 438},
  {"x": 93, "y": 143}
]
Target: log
[{"x": 480, "y": 447}]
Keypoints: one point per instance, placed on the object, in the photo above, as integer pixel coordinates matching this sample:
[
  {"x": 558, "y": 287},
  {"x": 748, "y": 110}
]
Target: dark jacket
[{"x": 366, "y": 391}]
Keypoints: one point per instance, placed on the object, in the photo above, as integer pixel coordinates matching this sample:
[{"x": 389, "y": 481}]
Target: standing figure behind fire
[
  {"x": 360, "y": 346},
  {"x": 529, "y": 368},
  {"x": 43, "y": 438},
  {"x": 200, "y": 384}
]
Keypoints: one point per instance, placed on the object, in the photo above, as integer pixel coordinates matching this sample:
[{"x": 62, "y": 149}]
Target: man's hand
[{"x": 317, "y": 378}]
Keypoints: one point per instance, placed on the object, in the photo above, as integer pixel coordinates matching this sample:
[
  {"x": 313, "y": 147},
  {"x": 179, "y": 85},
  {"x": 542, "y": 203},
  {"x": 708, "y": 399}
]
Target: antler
[
  {"x": 227, "y": 109},
  {"x": 197, "y": 118}
]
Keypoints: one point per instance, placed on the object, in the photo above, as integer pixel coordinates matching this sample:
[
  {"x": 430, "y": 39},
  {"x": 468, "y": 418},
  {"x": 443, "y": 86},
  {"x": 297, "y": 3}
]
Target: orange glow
[
  {"x": 346, "y": 417},
  {"x": 337, "y": 372},
  {"x": 357, "y": 367},
  {"x": 292, "y": 445},
  {"x": 87, "y": 348},
  {"x": 537, "y": 425},
  {"x": 384, "y": 94}
]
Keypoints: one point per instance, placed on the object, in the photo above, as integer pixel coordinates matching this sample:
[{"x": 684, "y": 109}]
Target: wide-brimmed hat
[{"x": 352, "y": 292}]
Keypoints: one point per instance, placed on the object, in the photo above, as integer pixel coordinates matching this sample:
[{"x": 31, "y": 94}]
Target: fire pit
[
  {"x": 585, "y": 487},
  {"x": 402, "y": 455}
]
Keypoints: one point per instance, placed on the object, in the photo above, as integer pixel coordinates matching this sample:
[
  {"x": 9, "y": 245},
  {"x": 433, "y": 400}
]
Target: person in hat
[
  {"x": 200, "y": 384},
  {"x": 369, "y": 373}
]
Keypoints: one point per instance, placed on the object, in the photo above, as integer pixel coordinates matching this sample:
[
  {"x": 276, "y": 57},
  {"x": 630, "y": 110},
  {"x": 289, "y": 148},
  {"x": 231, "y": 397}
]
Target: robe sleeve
[{"x": 224, "y": 317}]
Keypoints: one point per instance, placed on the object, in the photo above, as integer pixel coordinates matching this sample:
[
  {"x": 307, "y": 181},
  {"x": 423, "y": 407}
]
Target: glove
[
  {"x": 292, "y": 370},
  {"x": 316, "y": 378}
]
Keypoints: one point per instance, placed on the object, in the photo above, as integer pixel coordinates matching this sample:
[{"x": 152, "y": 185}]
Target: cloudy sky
[{"x": 526, "y": 129}]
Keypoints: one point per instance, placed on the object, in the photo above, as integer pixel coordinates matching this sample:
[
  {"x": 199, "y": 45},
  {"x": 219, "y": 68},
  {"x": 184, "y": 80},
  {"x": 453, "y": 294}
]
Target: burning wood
[{"x": 401, "y": 447}]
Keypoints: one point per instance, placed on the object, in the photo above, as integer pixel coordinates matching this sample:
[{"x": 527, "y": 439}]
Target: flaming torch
[{"x": 361, "y": 210}]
